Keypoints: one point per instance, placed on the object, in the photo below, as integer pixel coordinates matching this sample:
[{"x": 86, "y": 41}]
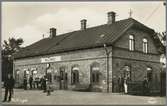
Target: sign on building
[{"x": 51, "y": 59}]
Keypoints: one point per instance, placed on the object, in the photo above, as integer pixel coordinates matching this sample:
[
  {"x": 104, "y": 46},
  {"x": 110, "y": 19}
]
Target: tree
[
  {"x": 160, "y": 41},
  {"x": 12, "y": 45},
  {"x": 9, "y": 47},
  {"x": 161, "y": 37}
]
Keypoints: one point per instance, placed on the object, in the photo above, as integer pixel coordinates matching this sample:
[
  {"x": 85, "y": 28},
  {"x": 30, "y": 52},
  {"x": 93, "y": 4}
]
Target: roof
[{"x": 81, "y": 39}]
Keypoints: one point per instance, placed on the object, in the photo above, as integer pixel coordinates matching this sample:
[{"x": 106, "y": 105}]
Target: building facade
[{"x": 93, "y": 57}]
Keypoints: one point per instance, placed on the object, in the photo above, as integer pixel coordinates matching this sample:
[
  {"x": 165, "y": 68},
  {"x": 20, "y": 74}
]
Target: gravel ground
[{"x": 61, "y": 97}]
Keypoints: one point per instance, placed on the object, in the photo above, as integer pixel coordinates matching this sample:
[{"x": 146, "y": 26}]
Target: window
[
  {"x": 17, "y": 75},
  {"x": 95, "y": 73},
  {"x": 75, "y": 75},
  {"x": 95, "y": 77},
  {"x": 62, "y": 71},
  {"x": 131, "y": 43},
  {"x": 149, "y": 73},
  {"x": 145, "y": 45}
]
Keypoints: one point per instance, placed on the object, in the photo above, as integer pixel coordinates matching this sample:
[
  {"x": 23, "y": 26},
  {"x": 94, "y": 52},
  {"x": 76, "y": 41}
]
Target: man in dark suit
[
  {"x": 145, "y": 86},
  {"x": 30, "y": 81},
  {"x": 25, "y": 83},
  {"x": 9, "y": 85}
]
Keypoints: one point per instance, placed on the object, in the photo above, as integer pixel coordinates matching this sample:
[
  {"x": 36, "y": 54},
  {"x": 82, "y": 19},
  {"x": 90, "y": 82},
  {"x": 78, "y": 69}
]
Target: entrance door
[{"x": 63, "y": 79}]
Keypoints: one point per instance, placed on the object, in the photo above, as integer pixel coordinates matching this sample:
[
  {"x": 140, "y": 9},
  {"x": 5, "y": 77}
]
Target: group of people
[
  {"x": 33, "y": 82},
  {"x": 10, "y": 82},
  {"x": 123, "y": 85},
  {"x": 38, "y": 83},
  {"x": 45, "y": 85}
]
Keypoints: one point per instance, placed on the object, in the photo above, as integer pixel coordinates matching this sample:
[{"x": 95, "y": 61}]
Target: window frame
[
  {"x": 131, "y": 42},
  {"x": 149, "y": 73},
  {"x": 145, "y": 45},
  {"x": 62, "y": 72},
  {"x": 95, "y": 73},
  {"x": 74, "y": 75}
]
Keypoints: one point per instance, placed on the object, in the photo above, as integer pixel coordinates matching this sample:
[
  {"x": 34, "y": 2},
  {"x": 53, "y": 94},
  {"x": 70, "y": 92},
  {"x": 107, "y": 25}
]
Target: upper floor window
[
  {"x": 145, "y": 45},
  {"x": 131, "y": 43}
]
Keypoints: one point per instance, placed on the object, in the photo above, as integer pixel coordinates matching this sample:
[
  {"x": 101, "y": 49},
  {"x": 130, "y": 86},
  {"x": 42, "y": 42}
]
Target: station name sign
[{"x": 51, "y": 59}]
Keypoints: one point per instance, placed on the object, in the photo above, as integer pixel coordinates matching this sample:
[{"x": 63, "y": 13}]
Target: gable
[{"x": 138, "y": 34}]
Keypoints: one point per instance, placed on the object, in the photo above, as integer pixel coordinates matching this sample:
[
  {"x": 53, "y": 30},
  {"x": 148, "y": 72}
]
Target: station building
[{"x": 94, "y": 56}]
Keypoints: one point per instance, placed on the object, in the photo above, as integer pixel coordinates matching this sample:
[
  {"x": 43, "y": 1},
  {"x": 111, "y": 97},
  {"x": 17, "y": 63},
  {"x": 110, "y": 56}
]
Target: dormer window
[
  {"x": 145, "y": 45},
  {"x": 131, "y": 42}
]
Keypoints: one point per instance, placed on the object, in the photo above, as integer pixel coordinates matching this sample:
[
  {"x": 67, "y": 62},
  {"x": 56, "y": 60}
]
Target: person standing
[
  {"x": 145, "y": 86},
  {"x": 25, "y": 83},
  {"x": 114, "y": 84},
  {"x": 48, "y": 87},
  {"x": 44, "y": 84},
  {"x": 30, "y": 81},
  {"x": 37, "y": 82},
  {"x": 9, "y": 85},
  {"x": 121, "y": 84},
  {"x": 125, "y": 86}
]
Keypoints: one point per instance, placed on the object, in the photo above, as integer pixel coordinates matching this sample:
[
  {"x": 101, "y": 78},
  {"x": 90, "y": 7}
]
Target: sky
[{"x": 32, "y": 20}]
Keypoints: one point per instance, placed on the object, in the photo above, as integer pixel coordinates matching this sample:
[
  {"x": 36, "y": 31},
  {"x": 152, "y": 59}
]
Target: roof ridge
[
  {"x": 94, "y": 26},
  {"x": 76, "y": 39},
  {"x": 63, "y": 34}
]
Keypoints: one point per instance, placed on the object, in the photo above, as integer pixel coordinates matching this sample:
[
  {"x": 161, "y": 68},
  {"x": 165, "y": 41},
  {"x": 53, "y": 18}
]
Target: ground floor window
[
  {"x": 149, "y": 73},
  {"x": 75, "y": 74},
  {"x": 62, "y": 73},
  {"x": 95, "y": 77},
  {"x": 74, "y": 77},
  {"x": 95, "y": 73},
  {"x": 17, "y": 75}
]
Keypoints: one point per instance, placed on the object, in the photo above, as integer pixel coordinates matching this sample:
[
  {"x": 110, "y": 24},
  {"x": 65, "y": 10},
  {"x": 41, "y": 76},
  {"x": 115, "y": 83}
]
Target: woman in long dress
[{"x": 125, "y": 86}]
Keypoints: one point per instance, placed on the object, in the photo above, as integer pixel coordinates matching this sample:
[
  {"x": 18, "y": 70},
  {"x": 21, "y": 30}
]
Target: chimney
[
  {"x": 111, "y": 17},
  {"x": 52, "y": 32},
  {"x": 83, "y": 24}
]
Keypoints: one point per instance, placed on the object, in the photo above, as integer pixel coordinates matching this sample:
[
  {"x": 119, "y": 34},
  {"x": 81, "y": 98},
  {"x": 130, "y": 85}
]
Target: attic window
[
  {"x": 102, "y": 35},
  {"x": 131, "y": 42},
  {"x": 145, "y": 45}
]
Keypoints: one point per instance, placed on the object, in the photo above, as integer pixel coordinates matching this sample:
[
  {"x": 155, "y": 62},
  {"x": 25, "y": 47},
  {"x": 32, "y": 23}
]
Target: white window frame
[
  {"x": 75, "y": 75},
  {"x": 131, "y": 43},
  {"x": 145, "y": 45}
]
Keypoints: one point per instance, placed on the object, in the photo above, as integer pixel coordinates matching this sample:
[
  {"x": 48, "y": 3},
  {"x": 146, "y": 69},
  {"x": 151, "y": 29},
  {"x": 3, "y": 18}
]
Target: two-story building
[{"x": 95, "y": 56}]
